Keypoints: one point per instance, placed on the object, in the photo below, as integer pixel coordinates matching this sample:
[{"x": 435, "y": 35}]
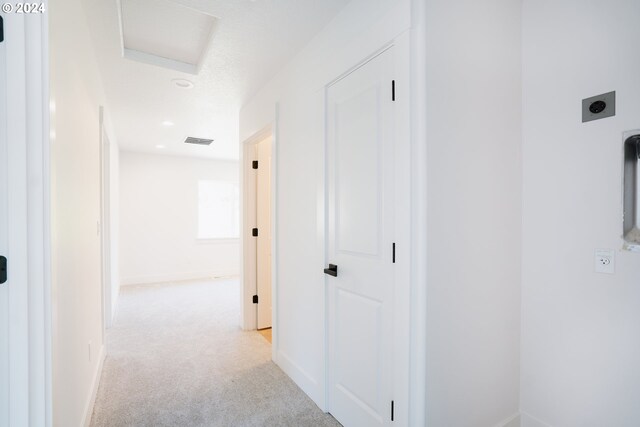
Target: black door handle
[
  {"x": 3, "y": 269},
  {"x": 332, "y": 270}
]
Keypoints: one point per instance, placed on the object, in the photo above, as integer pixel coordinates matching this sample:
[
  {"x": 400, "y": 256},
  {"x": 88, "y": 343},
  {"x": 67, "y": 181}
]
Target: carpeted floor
[{"x": 176, "y": 357}]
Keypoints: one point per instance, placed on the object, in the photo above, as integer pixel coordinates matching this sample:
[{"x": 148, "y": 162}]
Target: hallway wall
[
  {"x": 580, "y": 329},
  {"x": 76, "y": 92},
  {"x": 474, "y": 172},
  {"x": 360, "y": 29},
  {"x": 159, "y": 219}
]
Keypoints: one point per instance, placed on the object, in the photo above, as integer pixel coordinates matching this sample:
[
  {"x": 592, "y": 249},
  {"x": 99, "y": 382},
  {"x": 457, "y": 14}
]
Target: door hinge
[
  {"x": 392, "y": 404},
  {"x": 254, "y": 232},
  {"x": 255, "y": 299},
  {"x": 393, "y": 90},
  {"x": 393, "y": 255},
  {"x": 254, "y": 164},
  {"x": 3, "y": 269}
]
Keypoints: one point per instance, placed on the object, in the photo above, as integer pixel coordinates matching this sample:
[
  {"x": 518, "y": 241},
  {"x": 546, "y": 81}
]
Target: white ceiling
[{"x": 252, "y": 40}]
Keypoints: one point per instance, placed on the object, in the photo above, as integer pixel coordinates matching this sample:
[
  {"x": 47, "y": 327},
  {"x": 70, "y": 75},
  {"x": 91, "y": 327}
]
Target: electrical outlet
[{"x": 605, "y": 261}]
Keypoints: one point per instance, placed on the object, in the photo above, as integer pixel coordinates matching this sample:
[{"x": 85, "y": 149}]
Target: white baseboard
[
  {"x": 512, "y": 421},
  {"x": 88, "y": 407},
  {"x": 531, "y": 421},
  {"x": 301, "y": 378},
  {"x": 178, "y": 277}
]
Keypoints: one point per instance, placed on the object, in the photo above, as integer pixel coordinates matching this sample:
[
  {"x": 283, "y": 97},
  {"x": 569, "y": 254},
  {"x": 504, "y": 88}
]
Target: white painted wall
[
  {"x": 474, "y": 211},
  {"x": 159, "y": 220},
  {"x": 580, "y": 347},
  {"x": 362, "y": 27},
  {"x": 76, "y": 92},
  {"x": 114, "y": 188}
]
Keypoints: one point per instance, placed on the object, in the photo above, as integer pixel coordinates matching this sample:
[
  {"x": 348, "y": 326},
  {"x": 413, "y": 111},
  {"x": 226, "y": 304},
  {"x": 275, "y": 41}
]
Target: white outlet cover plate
[{"x": 605, "y": 261}]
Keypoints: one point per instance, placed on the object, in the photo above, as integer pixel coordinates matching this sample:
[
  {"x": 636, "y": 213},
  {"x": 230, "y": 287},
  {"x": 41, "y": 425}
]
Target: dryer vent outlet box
[
  {"x": 599, "y": 107},
  {"x": 631, "y": 190}
]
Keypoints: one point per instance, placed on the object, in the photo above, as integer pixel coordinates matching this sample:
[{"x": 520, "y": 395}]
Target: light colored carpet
[{"x": 177, "y": 357}]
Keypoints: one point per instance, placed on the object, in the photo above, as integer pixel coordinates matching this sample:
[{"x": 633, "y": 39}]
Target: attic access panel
[{"x": 165, "y": 33}]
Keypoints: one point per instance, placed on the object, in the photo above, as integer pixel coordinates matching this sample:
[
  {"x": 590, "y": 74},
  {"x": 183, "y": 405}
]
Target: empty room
[{"x": 319, "y": 213}]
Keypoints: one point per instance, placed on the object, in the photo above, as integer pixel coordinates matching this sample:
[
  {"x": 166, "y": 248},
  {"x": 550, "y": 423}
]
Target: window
[{"x": 218, "y": 210}]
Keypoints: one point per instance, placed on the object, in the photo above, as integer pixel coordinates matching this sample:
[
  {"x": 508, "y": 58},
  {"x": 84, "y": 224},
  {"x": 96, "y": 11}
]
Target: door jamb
[
  {"x": 105, "y": 225},
  {"x": 418, "y": 403}
]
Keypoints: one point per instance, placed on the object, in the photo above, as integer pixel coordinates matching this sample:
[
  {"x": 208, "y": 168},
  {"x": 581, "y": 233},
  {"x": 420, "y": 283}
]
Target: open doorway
[{"x": 258, "y": 231}]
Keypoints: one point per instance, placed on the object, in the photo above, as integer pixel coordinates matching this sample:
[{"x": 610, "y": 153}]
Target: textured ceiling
[{"x": 252, "y": 41}]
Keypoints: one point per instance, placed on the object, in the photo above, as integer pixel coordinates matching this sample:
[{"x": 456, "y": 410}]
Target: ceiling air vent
[{"x": 198, "y": 141}]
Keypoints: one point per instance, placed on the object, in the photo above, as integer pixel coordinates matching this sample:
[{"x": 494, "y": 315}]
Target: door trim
[
  {"x": 105, "y": 226},
  {"x": 419, "y": 221},
  {"x": 30, "y": 316},
  {"x": 402, "y": 271}
]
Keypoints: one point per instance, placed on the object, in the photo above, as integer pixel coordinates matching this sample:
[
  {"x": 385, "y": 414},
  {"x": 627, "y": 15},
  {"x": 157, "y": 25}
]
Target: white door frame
[
  {"x": 105, "y": 224},
  {"x": 419, "y": 220},
  {"x": 247, "y": 242},
  {"x": 26, "y": 41}
]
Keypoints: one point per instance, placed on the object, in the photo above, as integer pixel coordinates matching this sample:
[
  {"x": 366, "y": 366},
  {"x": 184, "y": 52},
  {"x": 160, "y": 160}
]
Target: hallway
[{"x": 176, "y": 357}]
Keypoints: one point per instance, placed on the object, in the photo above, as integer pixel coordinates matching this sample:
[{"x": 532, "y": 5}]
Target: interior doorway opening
[{"x": 258, "y": 229}]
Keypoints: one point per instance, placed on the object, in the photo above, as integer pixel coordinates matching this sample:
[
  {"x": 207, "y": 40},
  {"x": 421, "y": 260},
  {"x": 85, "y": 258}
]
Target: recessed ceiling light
[
  {"x": 167, "y": 123},
  {"x": 160, "y": 146},
  {"x": 182, "y": 83}
]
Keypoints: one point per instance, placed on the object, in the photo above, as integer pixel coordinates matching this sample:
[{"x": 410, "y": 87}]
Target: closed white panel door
[
  {"x": 360, "y": 231},
  {"x": 4, "y": 288},
  {"x": 263, "y": 212}
]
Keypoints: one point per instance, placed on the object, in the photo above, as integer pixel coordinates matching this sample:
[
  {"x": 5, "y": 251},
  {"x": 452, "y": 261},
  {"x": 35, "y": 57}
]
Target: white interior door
[
  {"x": 17, "y": 321},
  {"x": 4, "y": 287},
  {"x": 360, "y": 239},
  {"x": 24, "y": 299},
  {"x": 263, "y": 213}
]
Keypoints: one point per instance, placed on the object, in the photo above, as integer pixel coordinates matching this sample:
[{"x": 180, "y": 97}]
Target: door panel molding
[{"x": 396, "y": 177}]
